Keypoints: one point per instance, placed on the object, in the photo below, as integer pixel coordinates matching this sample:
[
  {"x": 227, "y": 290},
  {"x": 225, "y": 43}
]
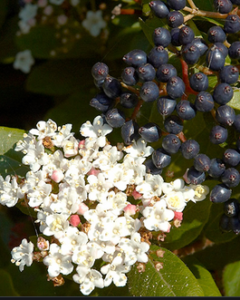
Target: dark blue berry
[
  {"x": 165, "y": 72},
  {"x": 236, "y": 123},
  {"x": 186, "y": 110},
  {"x": 151, "y": 168},
  {"x": 115, "y": 118},
  {"x": 171, "y": 143},
  {"x": 224, "y": 223},
  {"x": 225, "y": 115},
  {"x": 129, "y": 132},
  {"x": 202, "y": 162},
  {"x": 176, "y": 4},
  {"x": 229, "y": 74},
  {"x": 175, "y": 87},
  {"x": 159, "y": 9},
  {"x": 129, "y": 76},
  {"x": 101, "y": 102},
  {"x": 215, "y": 59},
  {"x": 222, "y": 93},
  {"x": 161, "y": 158},
  {"x": 232, "y": 24},
  {"x": 146, "y": 72},
  {"x": 223, "y": 6},
  {"x": 135, "y": 58},
  {"x": 237, "y": 2},
  {"x": 235, "y": 225},
  {"x": 238, "y": 144},
  {"x": 166, "y": 106},
  {"x": 216, "y": 34},
  {"x": 175, "y": 36},
  {"x": 100, "y": 71},
  {"x": 149, "y": 91},
  {"x": 199, "y": 82},
  {"x": 99, "y": 83},
  {"x": 186, "y": 35},
  {"x": 204, "y": 102},
  {"x": 201, "y": 44},
  {"x": 231, "y": 177},
  {"x": 191, "y": 54},
  {"x": 231, "y": 157},
  {"x": 173, "y": 124},
  {"x": 161, "y": 37},
  {"x": 150, "y": 132},
  {"x": 220, "y": 193},
  {"x": 234, "y": 50},
  {"x": 190, "y": 149},
  {"x": 218, "y": 134},
  {"x": 195, "y": 177},
  {"x": 112, "y": 87},
  {"x": 128, "y": 100},
  {"x": 231, "y": 207},
  {"x": 222, "y": 48},
  {"x": 157, "y": 56},
  {"x": 175, "y": 19},
  {"x": 217, "y": 167}
]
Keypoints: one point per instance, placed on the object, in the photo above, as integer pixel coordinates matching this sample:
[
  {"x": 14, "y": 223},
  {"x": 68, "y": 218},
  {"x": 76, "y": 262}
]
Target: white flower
[
  {"x": 28, "y": 12},
  {"x": 70, "y": 147},
  {"x": 175, "y": 201},
  {"x": 24, "y": 61},
  {"x": 98, "y": 187},
  {"x": 10, "y": 192},
  {"x": 72, "y": 240},
  {"x": 200, "y": 192},
  {"x": 57, "y": 224},
  {"x": 63, "y": 134},
  {"x": 44, "y": 129},
  {"x": 94, "y": 22},
  {"x": 151, "y": 187},
  {"x": 57, "y": 262},
  {"x": 57, "y": 2},
  {"x": 23, "y": 255},
  {"x": 139, "y": 149},
  {"x": 88, "y": 279}
]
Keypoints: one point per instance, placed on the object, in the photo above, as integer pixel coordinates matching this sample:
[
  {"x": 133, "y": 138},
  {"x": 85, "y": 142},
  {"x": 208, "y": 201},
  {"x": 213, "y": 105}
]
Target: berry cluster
[{"x": 149, "y": 78}]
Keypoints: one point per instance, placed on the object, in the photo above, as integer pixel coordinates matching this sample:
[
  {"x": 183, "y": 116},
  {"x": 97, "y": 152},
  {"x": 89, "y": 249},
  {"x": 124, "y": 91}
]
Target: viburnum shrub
[{"x": 143, "y": 199}]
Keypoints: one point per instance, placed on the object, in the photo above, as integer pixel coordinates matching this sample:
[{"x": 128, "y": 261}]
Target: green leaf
[
  {"x": 174, "y": 279},
  {"x": 216, "y": 256},
  {"x": 3, "y": 11},
  {"x": 231, "y": 283},
  {"x": 204, "y": 5},
  {"x": 235, "y": 103},
  {"x": 203, "y": 276},
  {"x": 10, "y": 160},
  {"x": 6, "y": 286},
  {"x": 60, "y": 77}
]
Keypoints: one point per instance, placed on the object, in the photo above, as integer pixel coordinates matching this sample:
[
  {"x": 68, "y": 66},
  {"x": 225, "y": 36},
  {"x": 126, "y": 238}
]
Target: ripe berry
[
  {"x": 202, "y": 162},
  {"x": 191, "y": 53},
  {"x": 199, "y": 82},
  {"x": 195, "y": 177},
  {"x": 234, "y": 50},
  {"x": 173, "y": 124},
  {"x": 232, "y": 24},
  {"x": 115, "y": 118},
  {"x": 101, "y": 102},
  {"x": 171, "y": 143},
  {"x": 190, "y": 149},
  {"x": 223, "y": 6},
  {"x": 175, "y": 36},
  {"x": 216, "y": 34},
  {"x": 176, "y": 4},
  {"x": 129, "y": 132},
  {"x": 222, "y": 48},
  {"x": 159, "y": 9},
  {"x": 149, "y": 91},
  {"x": 236, "y": 123},
  {"x": 175, "y": 87},
  {"x": 229, "y": 74},
  {"x": 99, "y": 83},
  {"x": 129, "y": 76},
  {"x": 231, "y": 177},
  {"x": 99, "y": 71},
  {"x": 201, "y": 44},
  {"x": 231, "y": 207},
  {"x": 112, "y": 87},
  {"x": 222, "y": 93},
  {"x": 217, "y": 167},
  {"x": 135, "y": 58},
  {"x": 204, "y": 102},
  {"x": 215, "y": 59},
  {"x": 165, "y": 72},
  {"x": 151, "y": 168},
  {"x": 128, "y": 100},
  {"x": 175, "y": 19},
  {"x": 161, "y": 158},
  {"x": 158, "y": 56},
  {"x": 150, "y": 132},
  {"x": 231, "y": 157},
  {"x": 220, "y": 193},
  {"x": 218, "y": 135},
  {"x": 186, "y": 35},
  {"x": 186, "y": 110},
  {"x": 166, "y": 106},
  {"x": 146, "y": 72},
  {"x": 224, "y": 223},
  {"x": 161, "y": 37},
  {"x": 225, "y": 115},
  {"x": 235, "y": 224}
]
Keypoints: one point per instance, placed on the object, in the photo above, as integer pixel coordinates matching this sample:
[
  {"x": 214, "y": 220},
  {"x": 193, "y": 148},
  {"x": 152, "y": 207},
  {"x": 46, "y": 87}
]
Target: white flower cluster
[{"x": 84, "y": 193}]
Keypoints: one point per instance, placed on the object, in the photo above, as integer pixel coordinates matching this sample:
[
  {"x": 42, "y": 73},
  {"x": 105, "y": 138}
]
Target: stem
[
  {"x": 188, "y": 17},
  {"x": 186, "y": 8},
  {"x": 131, "y": 89},
  {"x": 130, "y": 11},
  {"x": 136, "y": 109},
  {"x": 181, "y": 136},
  {"x": 202, "y": 13},
  {"x": 205, "y": 70},
  {"x": 188, "y": 89},
  {"x": 192, "y": 4},
  {"x": 226, "y": 43}
]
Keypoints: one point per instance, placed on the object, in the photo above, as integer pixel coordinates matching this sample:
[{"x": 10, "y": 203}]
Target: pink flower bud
[
  {"x": 130, "y": 209},
  {"x": 81, "y": 144},
  {"x": 74, "y": 220},
  {"x": 57, "y": 176},
  {"x": 42, "y": 244},
  {"x": 169, "y": 227},
  {"x": 178, "y": 215},
  {"x": 82, "y": 208},
  {"x": 136, "y": 195},
  {"x": 93, "y": 172}
]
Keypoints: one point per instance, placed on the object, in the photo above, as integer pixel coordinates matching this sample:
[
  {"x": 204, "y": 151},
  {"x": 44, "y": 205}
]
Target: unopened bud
[
  {"x": 82, "y": 208},
  {"x": 130, "y": 209},
  {"x": 57, "y": 176},
  {"x": 158, "y": 265},
  {"x": 42, "y": 244},
  {"x": 74, "y": 220},
  {"x": 136, "y": 195},
  {"x": 178, "y": 215}
]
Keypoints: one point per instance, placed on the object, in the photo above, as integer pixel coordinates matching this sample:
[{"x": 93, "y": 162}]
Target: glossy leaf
[
  {"x": 234, "y": 103},
  {"x": 203, "y": 277},
  {"x": 174, "y": 279},
  {"x": 231, "y": 283},
  {"x": 6, "y": 286},
  {"x": 10, "y": 160}
]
